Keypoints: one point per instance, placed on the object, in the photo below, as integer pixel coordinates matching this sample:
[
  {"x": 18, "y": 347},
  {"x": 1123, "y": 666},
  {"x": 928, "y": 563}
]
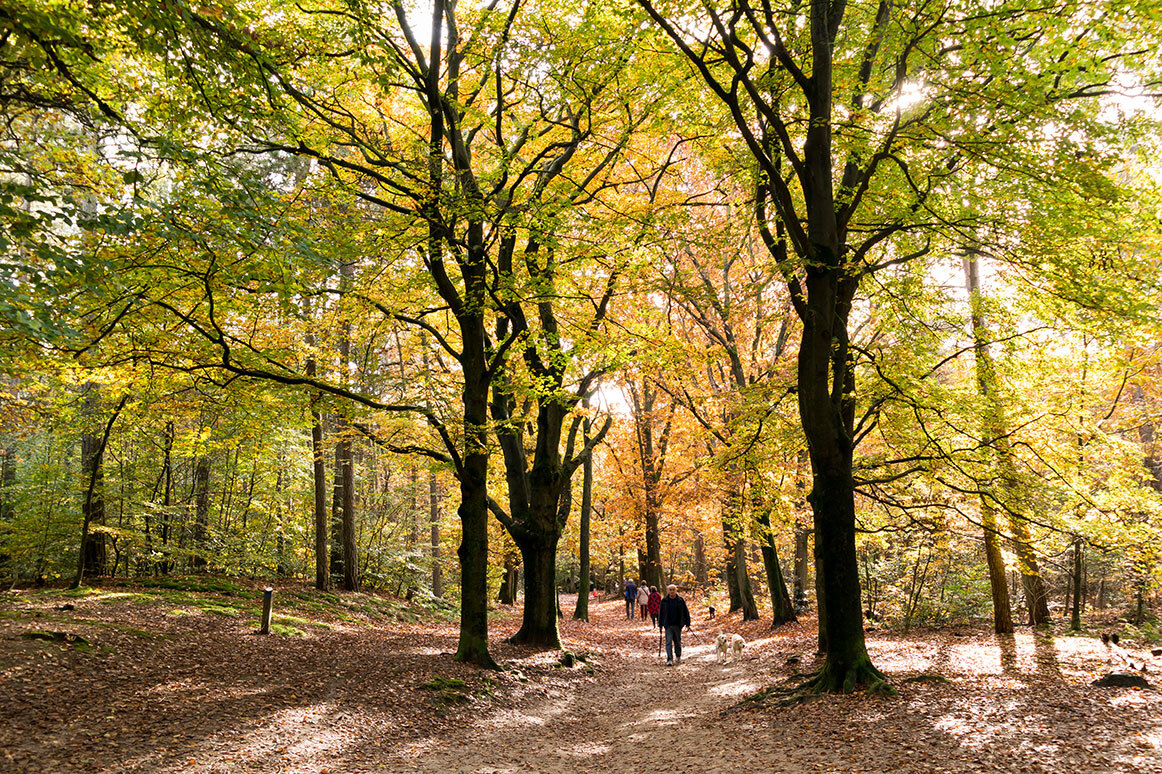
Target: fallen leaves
[{"x": 195, "y": 693}]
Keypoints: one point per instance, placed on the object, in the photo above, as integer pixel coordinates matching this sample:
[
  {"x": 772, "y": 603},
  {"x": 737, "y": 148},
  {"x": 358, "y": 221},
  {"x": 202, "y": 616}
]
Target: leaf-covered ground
[{"x": 171, "y": 679}]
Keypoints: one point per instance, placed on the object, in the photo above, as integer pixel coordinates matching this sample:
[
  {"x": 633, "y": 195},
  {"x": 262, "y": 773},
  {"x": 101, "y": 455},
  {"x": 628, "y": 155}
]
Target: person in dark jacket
[
  {"x": 672, "y": 616},
  {"x": 630, "y": 598}
]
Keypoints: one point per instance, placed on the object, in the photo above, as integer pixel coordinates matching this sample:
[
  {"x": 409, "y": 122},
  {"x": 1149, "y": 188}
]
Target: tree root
[{"x": 861, "y": 675}]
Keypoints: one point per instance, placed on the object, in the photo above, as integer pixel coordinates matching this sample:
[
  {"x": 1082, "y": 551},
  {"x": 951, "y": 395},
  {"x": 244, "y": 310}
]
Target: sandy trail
[{"x": 639, "y": 715}]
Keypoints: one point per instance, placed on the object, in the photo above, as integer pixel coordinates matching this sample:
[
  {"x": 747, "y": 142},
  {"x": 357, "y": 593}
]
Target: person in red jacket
[{"x": 654, "y": 604}]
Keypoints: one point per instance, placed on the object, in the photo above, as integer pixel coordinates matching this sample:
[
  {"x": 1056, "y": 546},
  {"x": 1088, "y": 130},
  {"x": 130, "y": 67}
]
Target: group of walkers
[{"x": 668, "y": 613}]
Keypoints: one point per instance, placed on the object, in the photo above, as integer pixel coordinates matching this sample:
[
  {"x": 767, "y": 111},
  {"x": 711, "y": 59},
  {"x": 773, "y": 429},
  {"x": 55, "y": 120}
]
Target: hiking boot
[{"x": 669, "y": 663}]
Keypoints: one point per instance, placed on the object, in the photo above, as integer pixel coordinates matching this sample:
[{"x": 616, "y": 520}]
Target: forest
[{"x": 841, "y": 316}]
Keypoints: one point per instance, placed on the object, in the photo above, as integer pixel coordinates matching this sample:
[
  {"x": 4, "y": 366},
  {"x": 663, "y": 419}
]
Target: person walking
[
  {"x": 672, "y": 616},
  {"x": 653, "y": 604},
  {"x": 630, "y": 598},
  {"x": 643, "y": 598}
]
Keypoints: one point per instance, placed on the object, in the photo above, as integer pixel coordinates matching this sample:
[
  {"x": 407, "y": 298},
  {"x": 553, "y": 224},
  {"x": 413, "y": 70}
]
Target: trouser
[
  {"x": 673, "y": 642},
  {"x": 629, "y": 603},
  {"x": 654, "y": 619},
  {"x": 643, "y": 607}
]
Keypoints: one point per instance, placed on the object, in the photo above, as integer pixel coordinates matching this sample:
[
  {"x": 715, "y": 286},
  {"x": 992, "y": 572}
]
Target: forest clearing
[{"x": 175, "y": 681}]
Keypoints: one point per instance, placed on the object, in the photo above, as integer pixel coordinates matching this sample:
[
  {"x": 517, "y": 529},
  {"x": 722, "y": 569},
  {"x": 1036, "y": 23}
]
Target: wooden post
[{"x": 267, "y": 608}]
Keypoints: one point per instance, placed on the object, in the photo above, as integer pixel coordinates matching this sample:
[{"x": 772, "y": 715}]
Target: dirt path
[
  {"x": 640, "y": 716},
  {"x": 174, "y": 686},
  {"x": 1021, "y": 704}
]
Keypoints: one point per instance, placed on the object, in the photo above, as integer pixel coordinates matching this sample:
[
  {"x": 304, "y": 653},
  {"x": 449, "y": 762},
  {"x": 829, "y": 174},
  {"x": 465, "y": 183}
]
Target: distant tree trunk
[
  {"x": 507, "y": 593},
  {"x": 802, "y": 561},
  {"x": 996, "y": 433},
  {"x": 342, "y": 452},
  {"x": 581, "y": 611},
  {"x": 319, "y": 479},
  {"x": 343, "y": 502},
  {"x": 414, "y": 510},
  {"x": 93, "y": 505},
  {"x": 318, "y": 472},
  {"x": 1002, "y": 608},
  {"x": 7, "y": 483},
  {"x": 803, "y": 531},
  {"x": 735, "y": 538},
  {"x": 413, "y": 544},
  {"x": 434, "y": 520},
  {"x": 283, "y": 567},
  {"x": 701, "y": 570},
  {"x": 1078, "y": 594},
  {"x": 201, "y": 512},
  {"x": 730, "y": 571},
  {"x": 347, "y": 519},
  {"x": 782, "y": 611},
  {"x": 750, "y": 610},
  {"x": 652, "y": 455},
  {"x": 7, "y": 500},
  {"x": 93, "y": 508},
  {"x": 167, "y": 498}
]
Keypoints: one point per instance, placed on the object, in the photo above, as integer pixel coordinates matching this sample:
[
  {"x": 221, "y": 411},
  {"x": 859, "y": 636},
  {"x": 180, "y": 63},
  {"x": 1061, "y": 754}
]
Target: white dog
[{"x": 725, "y": 643}]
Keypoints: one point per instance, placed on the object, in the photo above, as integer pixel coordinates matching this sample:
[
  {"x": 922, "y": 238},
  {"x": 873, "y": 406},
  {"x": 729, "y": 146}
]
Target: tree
[{"x": 828, "y": 101}]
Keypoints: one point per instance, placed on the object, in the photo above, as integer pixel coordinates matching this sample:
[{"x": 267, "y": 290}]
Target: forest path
[
  {"x": 180, "y": 688},
  {"x": 638, "y": 715}
]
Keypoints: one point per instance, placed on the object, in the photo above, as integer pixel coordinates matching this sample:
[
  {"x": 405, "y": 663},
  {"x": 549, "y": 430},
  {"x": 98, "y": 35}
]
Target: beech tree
[{"x": 859, "y": 121}]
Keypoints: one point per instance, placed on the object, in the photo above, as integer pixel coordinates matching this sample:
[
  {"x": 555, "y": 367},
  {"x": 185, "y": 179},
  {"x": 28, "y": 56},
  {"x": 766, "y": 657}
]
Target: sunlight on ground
[
  {"x": 584, "y": 750},
  {"x": 737, "y": 688},
  {"x": 545, "y": 713},
  {"x": 667, "y": 717},
  {"x": 425, "y": 651},
  {"x": 1020, "y": 653}
]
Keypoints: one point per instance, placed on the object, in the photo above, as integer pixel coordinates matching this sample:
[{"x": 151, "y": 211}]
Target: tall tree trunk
[
  {"x": 201, "y": 512},
  {"x": 996, "y": 432},
  {"x": 93, "y": 504},
  {"x": 539, "y": 616},
  {"x": 1002, "y": 608},
  {"x": 782, "y": 611},
  {"x": 802, "y": 562},
  {"x": 343, "y": 508},
  {"x": 581, "y": 611},
  {"x": 507, "y": 593},
  {"x": 335, "y": 536},
  {"x": 318, "y": 470},
  {"x": 93, "y": 508},
  {"x": 473, "y": 511},
  {"x": 735, "y": 536},
  {"x": 730, "y": 571},
  {"x": 701, "y": 570},
  {"x": 652, "y": 569},
  {"x": 167, "y": 498},
  {"x": 434, "y": 520},
  {"x": 750, "y": 610},
  {"x": 319, "y": 479},
  {"x": 1078, "y": 595},
  {"x": 347, "y": 523},
  {"x": 827, "y": 424},
  {"x": 414, "y": 516},
  {"x": 7, "y": 502}
]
